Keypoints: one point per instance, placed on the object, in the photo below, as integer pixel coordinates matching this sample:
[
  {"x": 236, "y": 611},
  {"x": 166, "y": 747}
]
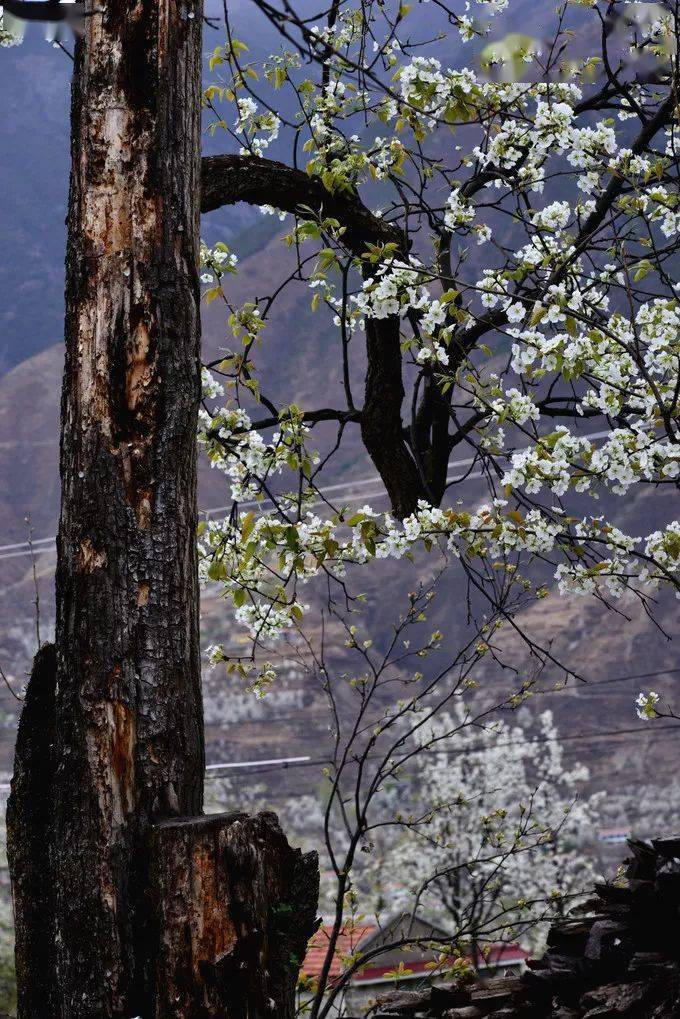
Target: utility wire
[
  {"x": 280, "y": 762},
  {"x": 293, "y": 763},
  {"x": 285, "y": 763},
  {"x": 21, "y": 548},
  {"x": 599, "y": 734},
  {"x": 250, "y": 764},
  {"x": 605, "y": 682}
]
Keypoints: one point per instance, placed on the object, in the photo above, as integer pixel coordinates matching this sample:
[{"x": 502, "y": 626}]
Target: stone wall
[{"x": 619, "y": 955}]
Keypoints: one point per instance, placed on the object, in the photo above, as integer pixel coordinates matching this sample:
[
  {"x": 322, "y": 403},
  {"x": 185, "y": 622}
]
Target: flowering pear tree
[
  {"x": 482, "y": 785},
  {"x": 498, "y": 259}
]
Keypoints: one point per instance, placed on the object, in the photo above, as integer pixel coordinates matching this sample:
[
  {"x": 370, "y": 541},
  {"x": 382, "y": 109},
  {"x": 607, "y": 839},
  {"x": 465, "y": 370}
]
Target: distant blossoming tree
[{"x": 481, "y": 786}]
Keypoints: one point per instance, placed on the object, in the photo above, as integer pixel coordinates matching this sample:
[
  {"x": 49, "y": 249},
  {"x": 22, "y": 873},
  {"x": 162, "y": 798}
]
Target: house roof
[
  {"x": 353, "y": 936},
  {"x": 349, "y": 939}
]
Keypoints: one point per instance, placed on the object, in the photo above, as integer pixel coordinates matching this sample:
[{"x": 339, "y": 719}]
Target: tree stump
[
  {"x": 233, "y": 907},
  {"x": 229, "y": 905}
]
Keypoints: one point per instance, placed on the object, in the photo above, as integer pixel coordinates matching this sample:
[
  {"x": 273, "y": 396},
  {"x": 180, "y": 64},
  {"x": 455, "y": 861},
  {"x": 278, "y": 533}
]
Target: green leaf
[
  {"x": 644, "y": 267},
  {"x": 539, "y": 313},
  {"x": 247, "y": 525}
]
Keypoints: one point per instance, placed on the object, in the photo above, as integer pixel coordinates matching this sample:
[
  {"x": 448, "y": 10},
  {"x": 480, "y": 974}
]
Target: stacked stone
[{"x": 619, "y": 955}]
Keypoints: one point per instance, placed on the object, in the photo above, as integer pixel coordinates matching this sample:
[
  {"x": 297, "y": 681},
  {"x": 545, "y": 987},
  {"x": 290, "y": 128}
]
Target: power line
[
  {"x": 40, "y": 545},
  {"x": 23, "y": 544},
  {"x": 47, "y": 544},
  {"x": 596, "y": 735},
  {"x": 569, "y": 737},
  {"x": 250, "y": 764},
  {"x": 263, "y": 768},
  {"x": 285, "y": 763},
  {"x": 605, "y": 682},
  {"x": 281, "y": 762}
]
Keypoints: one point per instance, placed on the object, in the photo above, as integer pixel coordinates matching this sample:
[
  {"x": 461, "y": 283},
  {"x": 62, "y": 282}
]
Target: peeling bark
[{"x": 111, "y": 738}]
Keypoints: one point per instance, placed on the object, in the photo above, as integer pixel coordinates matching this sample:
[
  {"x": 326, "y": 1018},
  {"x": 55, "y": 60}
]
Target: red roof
[{"x": 350, "y": 938}]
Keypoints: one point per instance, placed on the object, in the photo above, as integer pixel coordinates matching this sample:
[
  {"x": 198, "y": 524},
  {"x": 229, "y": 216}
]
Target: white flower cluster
[
  {"x": 515, "y": 406},
  {"x": 430, "y": 90},
  {"x": 665, "y": 211},
  {"x": 398, "y": 287},
  {"x": 497, "y": 803},
  {"x": 342, "y": 160},
  {"x": 576, "y": 335},
  {"x": 234, "y": 447},
  {"x": 564, "y": 459},
  {"x": 459, "y": 212},
  {"x": 210, "y": 386},
  {"x": 217, "y": 261},
  {"x": 259, "y": 129},
  {"x": 645, "y": 705},
  {"x": 269, "y": 210},
  {"x": 663, "y": 549},
  {"x": 260, "y": 558},
  {"x": 9, "y": 38},
  {"x": 522, "y": 146},
  {"x": 554, "y": 216}
]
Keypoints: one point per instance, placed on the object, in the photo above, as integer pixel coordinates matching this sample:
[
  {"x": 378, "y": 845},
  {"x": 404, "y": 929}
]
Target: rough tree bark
[
  {"x": 381, "y": 425},
  {"x": 116, "y": 746},
  {"x": 228, "y": 179},
  {"x": 234, "y": 908},
  {"x": 129, "y": 741}
]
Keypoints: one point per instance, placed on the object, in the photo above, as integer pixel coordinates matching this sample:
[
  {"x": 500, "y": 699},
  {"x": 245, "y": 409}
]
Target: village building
[{"x": 406, "y": 966}]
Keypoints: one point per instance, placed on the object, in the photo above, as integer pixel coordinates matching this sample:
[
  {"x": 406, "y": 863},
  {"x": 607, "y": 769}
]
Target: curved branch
[
  {"x": 309, "y": 417},
  {"x": 226, "y": 180}
]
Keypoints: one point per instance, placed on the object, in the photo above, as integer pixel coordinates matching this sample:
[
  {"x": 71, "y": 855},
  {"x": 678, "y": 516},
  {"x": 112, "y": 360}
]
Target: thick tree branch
[
  {"x": 310, "y": 417},
  {"x": 381, "y": 425},
  {"x": 431, "y": 436},
  {"x": 226, "y": 180}
]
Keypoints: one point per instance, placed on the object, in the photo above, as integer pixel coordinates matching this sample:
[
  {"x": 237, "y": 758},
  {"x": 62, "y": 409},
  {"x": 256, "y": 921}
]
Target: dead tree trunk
[
  {"x": 129, "y": 740},
  {"x": 126, "y": 725}
]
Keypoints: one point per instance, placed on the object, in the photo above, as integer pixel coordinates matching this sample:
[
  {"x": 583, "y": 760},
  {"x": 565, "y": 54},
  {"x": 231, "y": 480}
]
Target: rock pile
[{"x": 619, "y": 955}]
